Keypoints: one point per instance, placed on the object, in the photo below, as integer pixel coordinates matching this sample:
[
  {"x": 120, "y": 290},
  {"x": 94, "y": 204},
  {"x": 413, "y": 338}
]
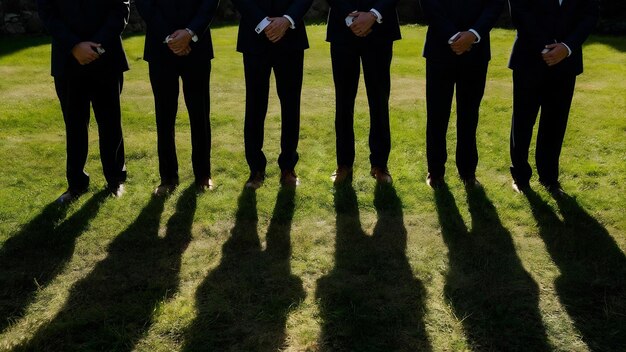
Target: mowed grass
[{"x": 358, "y": 268}]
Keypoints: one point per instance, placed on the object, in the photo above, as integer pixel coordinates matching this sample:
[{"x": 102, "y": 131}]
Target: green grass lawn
[{"x": 359, "y": 268}]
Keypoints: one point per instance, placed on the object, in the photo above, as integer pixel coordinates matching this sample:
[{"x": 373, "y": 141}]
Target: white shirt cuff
[
  {"x": 453, "y": 38},
  {"x": 476, "y": 34},
  {"x": 569, "y": 51},
  {"x": 293, "y": 24},
  {"x": 261, "y": 26},
  {"x": 379, "y": 17}
]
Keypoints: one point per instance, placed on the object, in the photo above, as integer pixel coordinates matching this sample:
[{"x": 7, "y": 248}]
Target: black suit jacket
[
  {"x": 164, "y": 17},
  {"x": 254, "y": 11},
  {"x": 338, "y": 32},
  {"x": 448, "y": 17},
  {"x": 542, "y": 22},
  {"x": 73, "y": 21}
]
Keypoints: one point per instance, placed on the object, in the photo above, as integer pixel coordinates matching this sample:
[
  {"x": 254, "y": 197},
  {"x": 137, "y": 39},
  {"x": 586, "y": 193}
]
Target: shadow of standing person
[
  {"x": 244, "y": 303},
  {"x": 592, "y": 284},
  {"x": 33, "y": 257},
  {"x": 495, "y": 298},
  {"x": 371, "y": 301},
  {"x": 112, "y": 308}
]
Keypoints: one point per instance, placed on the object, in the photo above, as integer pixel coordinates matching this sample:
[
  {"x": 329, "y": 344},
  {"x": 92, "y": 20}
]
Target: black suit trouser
[
  {"x": 101, "y": 89},
  {"x": 552, "y": 93},
  {"x": 288, "y": 68},
  {"x": 346, "y": 63},
  {"x": 196, "y": 77},
  {"x": 441, "y": 79}
]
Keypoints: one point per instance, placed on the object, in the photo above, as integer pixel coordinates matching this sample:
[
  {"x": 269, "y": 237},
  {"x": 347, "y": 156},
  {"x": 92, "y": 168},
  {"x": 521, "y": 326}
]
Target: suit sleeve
[
  {"x": 55, "y": 25},
  {"x": 586, "y": 24},
  {"x": 249, "y": 10},
  {"x": 488, "y": 17},
  {"x": 298, "y": 9},
  {"x": 343, "y": 7},
  {"x": 153, "y": 18},
  {"x": 528, "y": 28},
  {"x": 204, "y": 16},
  {"x": 437, "y": 18},
  {"x": 115, "y": 23},
  {"x": 387, "y": 8}
]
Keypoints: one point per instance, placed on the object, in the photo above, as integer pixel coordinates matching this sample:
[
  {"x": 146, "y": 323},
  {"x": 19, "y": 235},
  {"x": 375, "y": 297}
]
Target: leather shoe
[
  {"x": 164, "y": 189},
  {"x": 381, "y": 175},
  {"x": 70, "y": 195},
  {"x": 520, "y": 187},
  {"x": 117, "y": 190},
  {"x": 435, "y": 182},
  {"x": 288, "y": 178},
  {"x": 554, "y": 188},
  {"x": 471, "y": 183},
  {"x": 341, "y": 175},
  {"x": 206, "y": 184},
  {"x": 256, "y": 179}
]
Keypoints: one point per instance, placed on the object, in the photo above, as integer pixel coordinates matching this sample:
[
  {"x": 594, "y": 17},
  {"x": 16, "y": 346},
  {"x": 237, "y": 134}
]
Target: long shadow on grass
[
  {"x": 33, "y": 257},
  {"x": 112, "y": 308},
  {"x": 243, "y": 304},
  {"x": 487, "y": 287},
  {"x": 371, "y": 301},
  {"x": 592, "y": 285}
]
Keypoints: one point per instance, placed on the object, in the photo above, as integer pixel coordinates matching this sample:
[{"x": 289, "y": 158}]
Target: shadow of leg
[{"x": 592, "y": 285}]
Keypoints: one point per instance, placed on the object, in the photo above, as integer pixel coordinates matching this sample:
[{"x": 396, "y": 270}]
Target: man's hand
[
  {"x": 276, "y": 30},
  {"x": 85, "y": 52},
  {"x": 362, "y": 24},
  {"x": 555, "y": 54},
  {"x": 463, "y": 42},
  {"x": 179, "y": 42}
]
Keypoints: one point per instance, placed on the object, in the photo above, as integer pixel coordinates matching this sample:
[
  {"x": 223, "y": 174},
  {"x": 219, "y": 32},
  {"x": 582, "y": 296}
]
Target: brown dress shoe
[
  {"x": 341, "y": 175},
  {"x": 381, "y": 175},
  {"x": 164, "y": 189},
  {"x": 255, "y": 181},
  {"x": 435, "y": 182},
  {"x": 206, "y": 184},
  {"x": 288, "y": 178}
]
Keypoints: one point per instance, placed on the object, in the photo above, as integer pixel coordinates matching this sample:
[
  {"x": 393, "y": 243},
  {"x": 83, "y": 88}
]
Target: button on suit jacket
[{"x": 73, "y": 21}]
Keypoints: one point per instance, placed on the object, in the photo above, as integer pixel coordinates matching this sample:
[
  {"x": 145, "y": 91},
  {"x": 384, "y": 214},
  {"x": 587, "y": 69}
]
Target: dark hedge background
[{"x": 20, "y": 16}]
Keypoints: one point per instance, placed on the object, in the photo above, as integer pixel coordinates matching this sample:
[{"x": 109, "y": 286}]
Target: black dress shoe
[
  {"x": 204, "y": 185},
  {"x": 554, "y": 188},
  {"x": 117, "y": 190},
  {"x": 70, "y": 195},
  {"x": 520, "y": 187},
  {"x": 435, "y": 182},
  {"x": 471, "y": 183}
]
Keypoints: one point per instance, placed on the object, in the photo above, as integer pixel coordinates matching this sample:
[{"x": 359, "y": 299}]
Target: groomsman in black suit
[
  {"x": 272, "y": 36},
  {"x": 178, "y": 46},
  {"x": 88, "y": 62},
  {"x": 457, "y": 52},
  {"x": 546, "y": 58},
  {"x": 362, "y": 31}
]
